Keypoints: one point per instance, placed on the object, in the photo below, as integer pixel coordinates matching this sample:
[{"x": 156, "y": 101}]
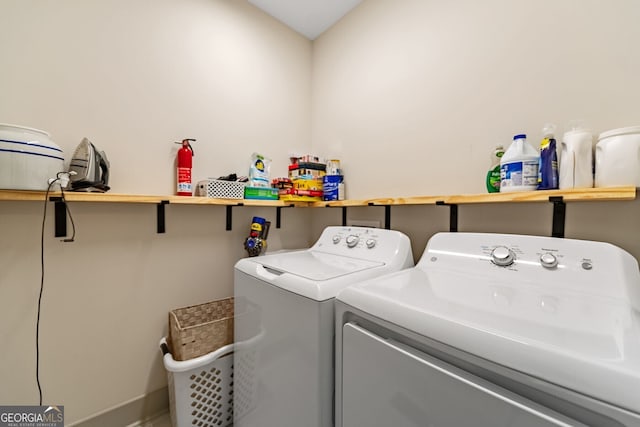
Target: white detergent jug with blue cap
[{"x": 519, "y": 166}]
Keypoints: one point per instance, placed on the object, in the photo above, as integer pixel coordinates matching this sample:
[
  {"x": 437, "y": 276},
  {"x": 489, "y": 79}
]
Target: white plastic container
[
  {"x": 519, "y": 166},
  {"x": 28, "y": 158},
  {"x": 200, "y": 389},
  {"x": 618, "y": 157},
  {"x": 576, "y": 159},
  {"x": 219, "y": 189}
]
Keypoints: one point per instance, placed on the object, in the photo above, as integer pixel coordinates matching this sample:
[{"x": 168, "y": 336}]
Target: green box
[{"x": 261, "y": 193}]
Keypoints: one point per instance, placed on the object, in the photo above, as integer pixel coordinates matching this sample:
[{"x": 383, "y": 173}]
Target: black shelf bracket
[
  {"x": 387, "y": 215},
  {"x": 161, "y": 217},
  {"x": 279, "y": 214},
  {"x": 230, "y": 216},
  {"x": 453, "y": 215},
  {"x": 559, "y": 214},
  {"x": 60, "y": 216},
  {"x": 344, "y": 214}
]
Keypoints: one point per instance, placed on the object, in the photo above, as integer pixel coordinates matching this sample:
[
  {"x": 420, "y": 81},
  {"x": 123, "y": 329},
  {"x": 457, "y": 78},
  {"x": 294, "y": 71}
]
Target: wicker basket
[{"x": 200, "y": 329}]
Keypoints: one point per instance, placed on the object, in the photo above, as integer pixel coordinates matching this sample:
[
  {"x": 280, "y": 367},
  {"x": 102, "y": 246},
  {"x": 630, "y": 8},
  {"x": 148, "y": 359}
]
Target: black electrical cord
[
  {"x": 73, "y": 235},
  {"x": 66, "y": 205}
]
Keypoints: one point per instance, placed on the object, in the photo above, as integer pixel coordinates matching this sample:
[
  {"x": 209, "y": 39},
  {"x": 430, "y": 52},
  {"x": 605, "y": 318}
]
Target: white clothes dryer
[
  {"x": 284, "y": 323},
  {"x": 493, "y": 330}
]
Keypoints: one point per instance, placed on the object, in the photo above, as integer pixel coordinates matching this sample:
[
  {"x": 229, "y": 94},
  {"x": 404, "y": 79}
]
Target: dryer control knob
[
  {"x": 352, "y": 240},
  {"x": 502, "y": 256},
  {"x": 548, "y": 260},
  {"x": 336, "y": 239},
  {"x": 371, "y": 243}
]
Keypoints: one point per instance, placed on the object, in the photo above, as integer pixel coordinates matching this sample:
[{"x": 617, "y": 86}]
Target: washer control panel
[
  {"x": 356, "y": 238},
  {"x": 352, "y": 240},
  {"x": 363, "y": 242}
]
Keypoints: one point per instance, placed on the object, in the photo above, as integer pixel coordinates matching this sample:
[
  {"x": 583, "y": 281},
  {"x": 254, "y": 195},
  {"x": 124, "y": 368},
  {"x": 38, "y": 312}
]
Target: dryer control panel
[
  {"x": 504, "y": 256},
  {"x": 587, "y": 267}
]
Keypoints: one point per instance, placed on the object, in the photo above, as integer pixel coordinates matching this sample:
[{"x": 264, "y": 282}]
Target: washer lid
[
  {"x": 315, "y": 265},
  {"x": 312, "y": 274},
  {"x": 587, "y": 343}
]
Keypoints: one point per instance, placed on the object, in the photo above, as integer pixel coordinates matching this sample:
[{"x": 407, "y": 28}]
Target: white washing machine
[
  {"x": 284, "y": 323},
  {"x": 493, "y": 330}
]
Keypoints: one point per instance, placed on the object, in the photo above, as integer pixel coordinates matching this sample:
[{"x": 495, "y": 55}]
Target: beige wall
[
  {"x": 413, "y": 96},
  {"x": 433, "y": 80},
  {"x": 135, "y": 76}
]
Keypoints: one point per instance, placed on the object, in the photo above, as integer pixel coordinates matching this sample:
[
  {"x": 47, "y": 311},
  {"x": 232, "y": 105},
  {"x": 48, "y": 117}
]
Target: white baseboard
[{"x": 131, "y": 413}]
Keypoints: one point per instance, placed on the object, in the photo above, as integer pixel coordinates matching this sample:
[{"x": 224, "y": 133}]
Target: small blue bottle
[{"x": 548, "y": 166}]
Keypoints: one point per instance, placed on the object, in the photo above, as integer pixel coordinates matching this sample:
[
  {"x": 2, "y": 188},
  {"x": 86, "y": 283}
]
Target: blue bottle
[{"x": 548, "y": 166}]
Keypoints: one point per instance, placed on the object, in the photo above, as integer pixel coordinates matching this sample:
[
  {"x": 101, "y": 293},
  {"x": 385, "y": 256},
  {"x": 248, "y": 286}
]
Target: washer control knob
[
  {"x": 336, "y": 239},
  {"x": 548, "y": 260},
  {"x": 371, "y": 243},
  {"x": 352, "y": 240},
  {"x": 502, "y": 256}
]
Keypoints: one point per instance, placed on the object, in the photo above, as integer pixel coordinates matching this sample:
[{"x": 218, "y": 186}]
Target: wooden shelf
[
  {"x": 70, "y": 196},
  {"x": 16, "y": 195},
  {"x": 557, "y": 197},
  {"x": 159, "y": 200},
  {"x": 573, "y": 195}
]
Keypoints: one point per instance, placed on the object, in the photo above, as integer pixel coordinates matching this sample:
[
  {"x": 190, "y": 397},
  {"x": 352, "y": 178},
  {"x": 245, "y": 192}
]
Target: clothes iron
[{"x": 91, "y": 168}]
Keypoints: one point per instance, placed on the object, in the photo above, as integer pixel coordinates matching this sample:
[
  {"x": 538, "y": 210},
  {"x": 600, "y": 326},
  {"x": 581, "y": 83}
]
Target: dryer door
[{"x": 386, "y": 383}]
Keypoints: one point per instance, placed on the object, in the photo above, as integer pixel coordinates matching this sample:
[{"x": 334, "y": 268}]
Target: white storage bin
[
  {"x": 618, "y": 158},
  {"x": 28, "y": 158},
  {"x": 219, "y": 189},
  {"x": 200, "y": 389}
]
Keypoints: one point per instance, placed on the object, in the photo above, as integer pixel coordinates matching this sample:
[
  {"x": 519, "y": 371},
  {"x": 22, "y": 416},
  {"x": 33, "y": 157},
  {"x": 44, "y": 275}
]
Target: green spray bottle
[{"x": 493, "y": 176}]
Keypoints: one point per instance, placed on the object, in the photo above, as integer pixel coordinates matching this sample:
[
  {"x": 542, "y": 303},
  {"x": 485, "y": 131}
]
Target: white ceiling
[{"x": 308, "y": 17}]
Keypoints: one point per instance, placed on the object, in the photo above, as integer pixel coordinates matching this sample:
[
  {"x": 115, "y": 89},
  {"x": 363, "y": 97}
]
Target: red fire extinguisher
[{"x": 184, "y": 163}]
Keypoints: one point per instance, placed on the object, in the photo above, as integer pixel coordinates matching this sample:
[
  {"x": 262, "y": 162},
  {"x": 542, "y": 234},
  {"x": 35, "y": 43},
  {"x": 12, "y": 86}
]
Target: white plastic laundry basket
[{"x": 200, "y": 389}]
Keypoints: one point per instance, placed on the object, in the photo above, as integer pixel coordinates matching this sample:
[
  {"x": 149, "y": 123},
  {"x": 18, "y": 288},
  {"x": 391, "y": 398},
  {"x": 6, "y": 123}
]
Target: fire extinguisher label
[{"x": 184, "y": 179}]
